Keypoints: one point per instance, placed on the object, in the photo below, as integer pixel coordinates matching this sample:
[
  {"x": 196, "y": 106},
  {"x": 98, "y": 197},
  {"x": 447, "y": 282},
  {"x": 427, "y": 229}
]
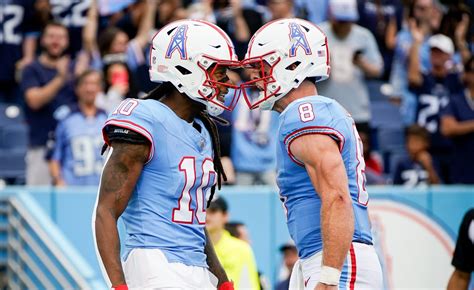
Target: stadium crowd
[{"x": 403, "y": 69}]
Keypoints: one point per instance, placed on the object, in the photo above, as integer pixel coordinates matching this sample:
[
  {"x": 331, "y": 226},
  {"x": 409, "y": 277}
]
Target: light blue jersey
[
  {"x": 253, "y": 139},
  {"x": 77, "y": 148},
  {"x": 167, "y": 207},
  {"x": 318, "y": 115}
]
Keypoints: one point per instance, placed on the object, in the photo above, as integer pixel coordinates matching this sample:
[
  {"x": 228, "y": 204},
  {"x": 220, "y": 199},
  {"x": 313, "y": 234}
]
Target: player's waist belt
[{"x": 363, "y": 242}]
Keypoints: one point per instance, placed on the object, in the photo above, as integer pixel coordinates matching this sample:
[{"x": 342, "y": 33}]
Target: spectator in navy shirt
[
  {"x": 433, "y": 89},
  {"x": 17, "y": 44},
  {"x": 457, "y": 123},
  {"x": 417, "y": 168},
  {"x": 47, "y": 87}
]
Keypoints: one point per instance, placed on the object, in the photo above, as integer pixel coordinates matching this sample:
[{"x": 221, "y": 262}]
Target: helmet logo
[
  {"x": 178, "y": 42},
  {"x": 298, "y": 39}
]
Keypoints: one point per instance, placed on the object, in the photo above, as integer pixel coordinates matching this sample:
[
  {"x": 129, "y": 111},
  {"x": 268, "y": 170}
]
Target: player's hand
[{"x": 322, "y": 286}]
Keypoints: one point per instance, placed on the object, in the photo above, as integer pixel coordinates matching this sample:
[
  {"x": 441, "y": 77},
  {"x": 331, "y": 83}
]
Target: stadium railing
[{"x": 34, "y": 253}]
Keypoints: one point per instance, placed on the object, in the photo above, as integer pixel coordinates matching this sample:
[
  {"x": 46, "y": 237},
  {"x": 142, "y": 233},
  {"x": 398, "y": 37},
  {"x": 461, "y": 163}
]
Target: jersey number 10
[{"x": 184, "y": 214}]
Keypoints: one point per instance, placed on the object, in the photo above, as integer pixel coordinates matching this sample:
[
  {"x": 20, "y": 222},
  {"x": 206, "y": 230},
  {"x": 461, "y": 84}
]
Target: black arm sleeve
[
  {"x": 463, "y": 259},
  {"x": 116, "y": 133}
]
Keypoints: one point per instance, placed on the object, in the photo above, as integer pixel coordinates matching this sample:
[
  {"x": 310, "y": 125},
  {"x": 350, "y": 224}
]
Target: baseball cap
[
  {"x": 344, "y": 10},
  {"x": 441, "y": 42},
  {"x": 218, "y": 204}
]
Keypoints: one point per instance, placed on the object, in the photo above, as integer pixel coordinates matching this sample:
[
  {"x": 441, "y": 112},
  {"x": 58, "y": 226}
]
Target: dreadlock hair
[
  {"x": 212, "y": 128},
  {"x": 165, "y": 89}
]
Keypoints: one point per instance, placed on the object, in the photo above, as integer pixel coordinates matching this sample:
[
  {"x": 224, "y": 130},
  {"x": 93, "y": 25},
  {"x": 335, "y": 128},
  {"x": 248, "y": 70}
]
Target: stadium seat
[
  {"x": 13, "y": 143},
  {"x": 13, "y": 164},
  {"x": 391, "y": 144},
  {"x": 375, "y": 92},
  {"x": 10, "y": 114},
  {"x": 385, "y": 115},
  {"x": 14, "y": 137}
]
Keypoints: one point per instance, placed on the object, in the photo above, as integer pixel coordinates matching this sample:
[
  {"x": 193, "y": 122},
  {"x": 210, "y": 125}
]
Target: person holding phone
[{"x": 119, "y": 83}]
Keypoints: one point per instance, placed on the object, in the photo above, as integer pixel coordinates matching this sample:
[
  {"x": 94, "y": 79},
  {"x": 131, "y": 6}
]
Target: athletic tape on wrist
[{"x": 330, "y": 276}]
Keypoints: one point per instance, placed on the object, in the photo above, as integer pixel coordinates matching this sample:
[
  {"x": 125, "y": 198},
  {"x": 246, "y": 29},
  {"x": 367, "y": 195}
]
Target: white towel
[{"x": 297, "y": 279}]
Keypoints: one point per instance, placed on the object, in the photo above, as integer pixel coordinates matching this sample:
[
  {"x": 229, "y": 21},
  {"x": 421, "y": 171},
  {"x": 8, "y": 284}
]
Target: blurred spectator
[
  {"x": 455, "y": 24},
  {"x": 203, "y": 10},
  {"x": 73, "y": 15},
  {"x": 76, "y": 158},
  {"x": 17, "y": 44},
  {"x": 373, "y": 162},
  {"x": 114, "y": 41},
  {"x": 119, "y": 83},
  {"x": 457, "y": 123},
  {"x": 48, "y": 88},
  {"x": 168, "y": 11},
  {"x": 463, "y": 259},
  {"x": 239, "y": 22},
  {"x": 280, "y": 9},
  {"x": 290, "y": 256},
  {"x": 235, "y": 255},
  {"x": 107, "y": 7},
  {"x": 238, "y": 230},
  {"x": 352, "y": 60},
  {"x": 384, "y": 19},
  {"x": 417, "y": 168},
  {"x": 253, "y": 145},
  {"x": 308, "y": 10},
  {"x": 433, "y": 89},
  {"x": 420, "y": 14}
]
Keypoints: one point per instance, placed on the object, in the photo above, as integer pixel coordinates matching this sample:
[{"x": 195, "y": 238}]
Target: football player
[
  {"x": 164, "y": 164},
  {"x": 319, "y": 159}
]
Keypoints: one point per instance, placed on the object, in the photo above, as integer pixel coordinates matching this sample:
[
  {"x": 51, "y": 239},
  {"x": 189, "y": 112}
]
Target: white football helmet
[
  {"x": 183, "y": 52},
  {"x": 294, "y": 49}
]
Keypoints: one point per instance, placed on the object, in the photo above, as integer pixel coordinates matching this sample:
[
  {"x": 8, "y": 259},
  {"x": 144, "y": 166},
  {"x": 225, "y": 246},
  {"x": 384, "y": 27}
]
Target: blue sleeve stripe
[
  {"x": 135, "y": 127},
  {"x": 336, "y": 135}
]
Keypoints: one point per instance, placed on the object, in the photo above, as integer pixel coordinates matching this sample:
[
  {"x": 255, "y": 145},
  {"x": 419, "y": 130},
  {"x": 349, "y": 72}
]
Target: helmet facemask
[
  {"x": 217, "y": 91},
  {"x": 270, "y": 89}
]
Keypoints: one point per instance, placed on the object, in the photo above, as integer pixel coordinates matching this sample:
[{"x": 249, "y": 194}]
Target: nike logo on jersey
[{"x": 306, "y": 281}]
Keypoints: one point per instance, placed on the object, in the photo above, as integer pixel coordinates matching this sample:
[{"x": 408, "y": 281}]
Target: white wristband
[{"x": 330, "y": 276}]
